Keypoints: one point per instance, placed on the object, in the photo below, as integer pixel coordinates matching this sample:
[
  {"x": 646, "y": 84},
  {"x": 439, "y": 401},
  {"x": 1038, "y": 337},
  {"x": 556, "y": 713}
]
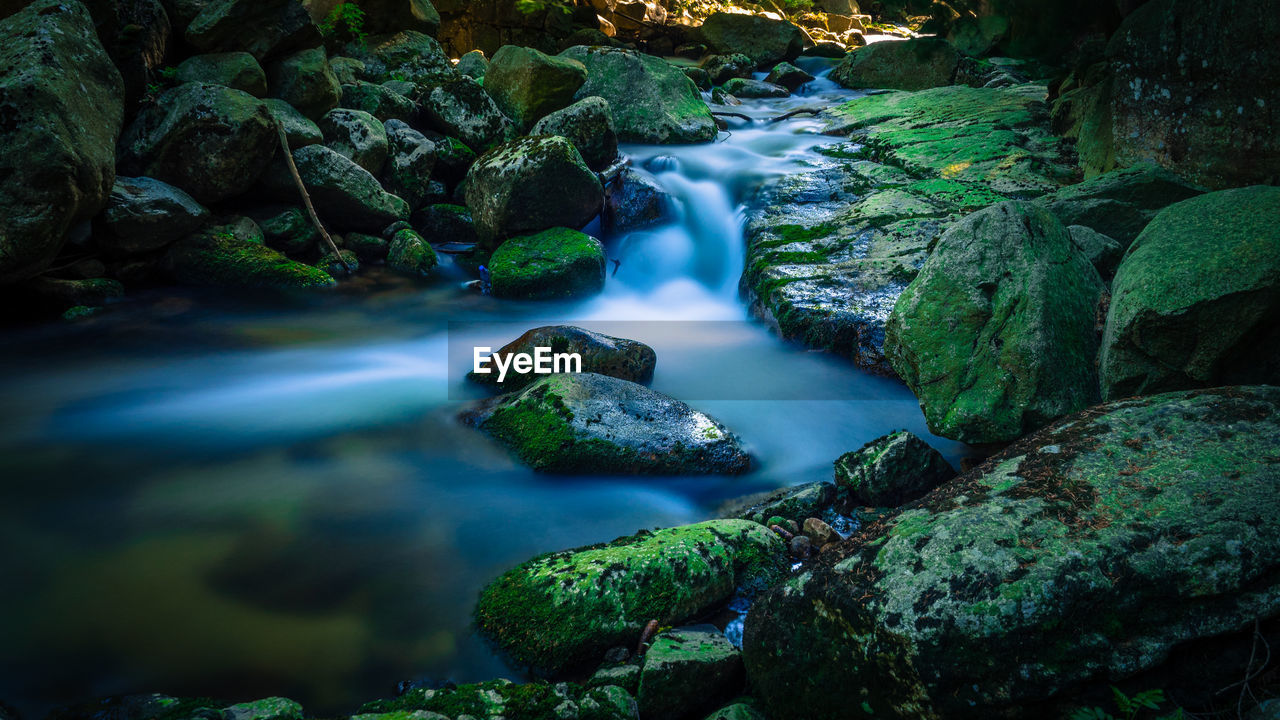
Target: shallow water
[{"x": 232, "y": 497}]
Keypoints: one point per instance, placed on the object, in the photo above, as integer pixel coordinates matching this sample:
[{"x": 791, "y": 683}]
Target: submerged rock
[
  {"x": 1196, "y": 301},
  {"x": 686, "y": 671},
  {"x": 907, "y": 65},
  {"x": 62, "y": 107},
  {"x": 765, "y": 41},
  {"x": 507, "y": 188},
  {"x": 567, "y": 608},
  {"x": 144, "y": 214},
  {"x": 613, "y": 356},
  {"x": 527, "y": 84},
  {"x": 590, "y": 423},
  {"x": 1087, "y": 551},
  {"x": 892, "y": 470}
]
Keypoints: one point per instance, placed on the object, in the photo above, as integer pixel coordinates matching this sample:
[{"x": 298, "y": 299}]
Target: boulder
[
  {"x": 527, "y": 84},
  {"x": 461, "y": 108},
  {"x": 347, "y": 70},
  {"x": 474, "y": 65},
  {"x": 766, "y": 41},
  {"x": 906, "y": 65},
  {"x": 410, "y": 164},
  {"x": 701, "y": 78},
  {"x": 996, "y": 335},
  {"x": 1119, "y": 204},
  {"x": 1196, "y": 301},
  {"x": 368, "y": 248},
  {"x": 1102, "y": 251},
  {"x": 236, "y": 70},
  {"x": 567, "y": 608},
  {"x": 721, "y": 68},
  {"x": 747, "y": 88},
  {"x": 555, "y": 263},
  {"x": 412, "y": 255},
  {"x": 635, "y": 201},
  {"x": 409, "y": 55},
  {"x": 209, "y": 140},
  {"x": 384, "y": 16},
  {"x": 444, "y": 223},
  {"x": 305, "y": 81},
  {"x": 1087, "y": 552},
  {"x": 507, "y": 188},
  {"x": 788, "y": 76},
  {"x": 892, "y": 470},
  {"x": 345, "y": 192},
  {"x": 357, "y": 136},
  {"x": 796, "y": 504},
  {"x": 264, "y": 28},
  {"x": 588, "y": 124},
  {"x": 686, "y": 671},
  {"x": 62, "y": 107},
  {"x": 504, "y": 699},
  {"x": 229, "y": 256},
  {"x": 596, "y": 424},
  {"x": 144, "y": 214},
  {"x": 617, "y": 357},
  {"x": 652, "y": 100},
  {"x": 977, "y": 36},
  {"x": 298, "y": 130},
  {"x": 288, "y": 229},
  {"x": 379, "y": 101}
]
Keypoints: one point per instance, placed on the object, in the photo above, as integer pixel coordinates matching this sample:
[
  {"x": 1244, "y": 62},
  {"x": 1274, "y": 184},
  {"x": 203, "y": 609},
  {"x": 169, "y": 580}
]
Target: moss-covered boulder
[
  {"x": 796, "y": 503},
  {"x": 892, "y": 470},
  {"x": 617, "y": 357},
  {"x": 288, "y": 229},
  {"x": 652, "y": 100},
  {"x": 596, "y": 424},
  {"x": 236, "y": 70},
  {"x": 411, "y": 254},
  {"x": 62, "y": 107},
  {"x": 233, "y": 256},
  {"x": 750, "y": 88},
  {"x": 528, "y": 84},
  {"x": 555, "y": 263},
  {"x": 461, "y": 108},
  {"x": 1196, "y": 301},
  {"x": 565, "y": 609},
  {"x": 299, "y": 130},
  {"x": 357, "y": 136},
  {"x": 1082, "y": 554},
  {"x": 788, "y": 76},
  {"x": 723, "y": 68},
  {"x": 379, "y": 101},
  {"x": 507, "y": 188},
  {"x": 144, "y": 214},
  {"x": 265, "y": 28},
  {"x": 346, "y": 192},
  {"x": 411, "y": 162},
  {"x": 1119, "y": 204},
  {"x": 408, "y": 55},
  {"x": 686, "y": 671},
  {"x": 305, "y": 81},
  {"x": 209, "y": 140},
  {"x": 474, "y": 65},
  {"x": 764, "y": 40},
  {"x": 996, "y": 335},
  {"x": 505, "y": 699},
  {"x": 907, "y": 65},
  {"x": 588, "y": 124}
]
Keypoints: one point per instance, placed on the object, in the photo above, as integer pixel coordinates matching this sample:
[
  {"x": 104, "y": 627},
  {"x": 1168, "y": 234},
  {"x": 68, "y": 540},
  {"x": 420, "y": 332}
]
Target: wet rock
[
  {"x": 892, "y": 470},
  {"x": 1119, "y": 204},
  {"x": 563, "y": 609},
  {"x": 298, "y": 130},
  {"x": 819, "y": 532},
  {"x": 1196, "y": 301},
  {"x": 907, "y": 65},
  {"x": 527, "y": 84},
  {"x": 288, "y": 229},
  {"x": 745, "y": 88},
  {"x": 61, "y": 103},
  {"x": 411, "y": 163},
  {"x": 1084, "y": 552},
  {"x": 144, "y": 214},
  {"x": 502, "y": 698},
  {"x": 56, "y": 295},
  {"x": 506, "y": 188},
  {"x": 209, "y": 140},
  {"x": 1103, "y": 252},
  {"x": 588, "y": 124},
  {"x": 996, "y": 336},
  {"x": 617, "y": 357},
  {"x": 264, "y": 28},
  {"x": 357, "y": 136},
  {"x": 722, "y": 68},
  {"x": 686, "y": 671},
  {"x": 305, "y": 81},
  {"x": 794, "y": 503},
  {"x": 342, "y": 264},
  {"x": 444, "y": 223},
  {"x": 233, "y": 256},
  {"x": 346, "y": 192},
  {"x": 236, "y": 70},
  {"x": 652, "y": 101},
  {"x": 788, "y": 76},
  {"x": 461, "y": 108},
  {"x": 635, "y": 201},
  {"x": 412, "y": 255},
  {"x": 767, "y": 42},
  {"x": 379, "y": 101},
  {"x": 474, "y": 65},
  {"x": 555, "y": 263}
]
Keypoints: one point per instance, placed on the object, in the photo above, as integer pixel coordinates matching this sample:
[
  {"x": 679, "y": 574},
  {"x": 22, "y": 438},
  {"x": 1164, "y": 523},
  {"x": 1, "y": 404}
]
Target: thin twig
[
  {"x": 793, "y": 113},
  {"x": 306, "y": 198}
]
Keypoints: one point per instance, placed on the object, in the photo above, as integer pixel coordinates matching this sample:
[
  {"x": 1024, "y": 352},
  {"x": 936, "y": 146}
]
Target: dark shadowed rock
[
  {"x": 357, "y": 136},
  {"x": 767, "y": 42},
  {"x": 1119, "y": 204},
  {"x": 265, "y": 28},
  {"x": 144, "y": 214},
  {"x": 346, "y": 192},
  {"x": 907, "y": 65},
  {"x": 461, "y": 108},
  {"x": 686, "y": 671},
  {"x": 507, "y": 188},
  {"x": 305, "y": 81},
  {"x": 588, "y": 124},
  {"x": 892, "y": 470},
  {"x": 236, "y": 70},
  {"x": 233, "y": 256}
]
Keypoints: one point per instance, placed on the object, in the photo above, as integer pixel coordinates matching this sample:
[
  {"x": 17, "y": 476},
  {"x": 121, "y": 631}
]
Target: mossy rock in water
[
  {"x": 1196, "y": 301},
  {"x": 411, "y": 254},
  {"x": 686, "y": 671},
  {"x": 617, "y": 357},
  {"x": 892, "y": 470},
  {"x": 503, "y": 698},
  {"x": 528, "y": 84},
  {"x": 507, "y": 188},
  {"x": 1087, "y": 551},
  {"x": 916, "y": 64},
  {"x": 996, "y": 335},
  {"x": 751, "y": 88},
  {"x": 721, "y": 69},
  {"x": 566, "y": 609},
  {"x": 224, "y": 256},
  {"x": 557, "y": 263},
  {"x": 591, "y": 423}
]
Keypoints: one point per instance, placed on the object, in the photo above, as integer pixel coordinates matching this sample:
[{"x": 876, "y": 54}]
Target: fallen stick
[
  {"x": 793, "y": 113},
  {"x": 306, "y": 199},
  {"x": 740, "y": 116}
]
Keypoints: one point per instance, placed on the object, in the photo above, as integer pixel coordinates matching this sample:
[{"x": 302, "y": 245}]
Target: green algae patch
[{"x": 566, "y": 609}]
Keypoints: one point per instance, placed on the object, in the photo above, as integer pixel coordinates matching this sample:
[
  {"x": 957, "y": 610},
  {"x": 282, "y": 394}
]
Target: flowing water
[{"x": 230, "y": 497}]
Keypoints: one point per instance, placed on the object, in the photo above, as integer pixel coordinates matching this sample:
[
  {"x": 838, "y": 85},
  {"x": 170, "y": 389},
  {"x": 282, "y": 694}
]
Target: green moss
[
  {"x": 217, "y": 260},
  {"x": 555, "y": 263}
]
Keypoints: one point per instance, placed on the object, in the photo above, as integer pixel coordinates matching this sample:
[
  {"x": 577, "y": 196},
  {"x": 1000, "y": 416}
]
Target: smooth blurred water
[{"x": 247, "y": 496}]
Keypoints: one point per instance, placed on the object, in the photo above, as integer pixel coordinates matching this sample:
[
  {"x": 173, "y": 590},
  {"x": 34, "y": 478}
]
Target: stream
[{"x": 216, "y": 496}]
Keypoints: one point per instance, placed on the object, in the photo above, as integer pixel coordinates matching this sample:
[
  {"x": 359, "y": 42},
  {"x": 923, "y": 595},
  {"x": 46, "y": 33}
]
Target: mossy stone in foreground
[
  {"x": 590, "y": 423},
  {"x": 222, "y": 256},
  {"x": 892, "y": 470},
  {"x": 565, "y": 609},
  {"x": 686, "y": 670},
  {"x": 1196, "y": 301},
  {"x": 1085, "y": 552},
  {"x": 557, "y": 263}
]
